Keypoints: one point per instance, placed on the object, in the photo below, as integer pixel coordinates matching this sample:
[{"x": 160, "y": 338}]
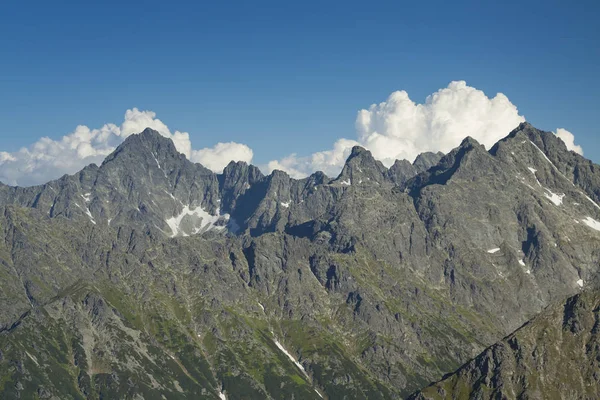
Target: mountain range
[{"x": 471, "y": 274}]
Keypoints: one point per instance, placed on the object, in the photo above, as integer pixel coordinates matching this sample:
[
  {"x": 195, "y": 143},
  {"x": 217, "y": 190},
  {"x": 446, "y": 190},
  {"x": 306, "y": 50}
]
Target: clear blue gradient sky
[{"x": 282, "y": 76}]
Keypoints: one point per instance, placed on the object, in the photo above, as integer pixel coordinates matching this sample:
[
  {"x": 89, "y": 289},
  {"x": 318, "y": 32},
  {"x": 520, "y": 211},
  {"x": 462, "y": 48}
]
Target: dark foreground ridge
[
  {"x": 151, "y": 277},
  {"x": 554, "y": 356}
]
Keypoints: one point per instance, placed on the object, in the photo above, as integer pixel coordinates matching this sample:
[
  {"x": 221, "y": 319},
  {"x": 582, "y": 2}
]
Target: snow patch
[
  {"x": 346, "y": 182},
  {"x": 222, "y": 396},
  {"x": 492, "y": 251},
  {"x": 285, "y": 205},
  {"x": 176, "y": 384},
  {"x": 557, "y": 199},
  {"x": 592, "y": 223},
  {"x": 580, "y": 282},
  {"x": 88, "y": 213},
  {"x": 528, "y": 272},
  {"x": 87, "y": 197},
  {"x": 170, "y": 195},
  {"x": 521, "y": 262},
  {"x": 284, "y": 351},
  {"x": 533, "y": 170},
  {"x": 207, "y": 221},
  {"x": 261, "y": 307}
]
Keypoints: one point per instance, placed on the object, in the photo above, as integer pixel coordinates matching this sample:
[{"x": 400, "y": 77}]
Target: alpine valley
[{"x": 151, "y": 277}]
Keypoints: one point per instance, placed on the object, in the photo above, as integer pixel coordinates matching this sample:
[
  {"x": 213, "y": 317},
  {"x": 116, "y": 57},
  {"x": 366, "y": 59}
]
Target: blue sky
[{"x": 283, "y": 77}]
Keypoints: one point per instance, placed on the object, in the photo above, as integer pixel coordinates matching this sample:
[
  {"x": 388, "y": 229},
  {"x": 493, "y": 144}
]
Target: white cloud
[
  {"x": 216, "y": 158},
  {"x": 398, "y": 128},
  {"x": 4, "y": 157},
  {"x": 569, "y": 140},
  {"x": 49, "y": 159},
  {"x": 329, "y": 161}
]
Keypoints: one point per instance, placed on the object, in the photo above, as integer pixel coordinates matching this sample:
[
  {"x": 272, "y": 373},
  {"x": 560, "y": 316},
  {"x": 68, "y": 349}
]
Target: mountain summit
[{"x": 150, "y": 276}]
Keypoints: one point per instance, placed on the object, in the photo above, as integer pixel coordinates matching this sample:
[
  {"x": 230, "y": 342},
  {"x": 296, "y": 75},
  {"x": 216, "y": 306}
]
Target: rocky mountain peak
[
  {"x": 239, "y": 173},
  {"x": 361, "y": 167},
  {"x": 148, "y": 149},
  {"x": 469, "y": 143},
  {"x": 359, "y": 150},
  {"x": 401, "y": 171},
  {"x": 418, "y": 279},
  {"x": 426, "y": 160}
]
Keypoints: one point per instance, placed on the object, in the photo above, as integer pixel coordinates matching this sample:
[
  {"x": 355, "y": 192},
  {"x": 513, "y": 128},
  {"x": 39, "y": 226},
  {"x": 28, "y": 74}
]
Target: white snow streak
[
  {"x": 155, "y": 159},
  {"x": 492, "y": 251},
  {"x": 222, "y": 396},
  {"x": 592, "y": 201},
  {"x": 533, "y": 171},
  {"x": 170, "y": 195},
  {"x": 543, "y": 154},
  {"x": 158, "y": 164},
  {"x": 88, "y": 212},
  {"x": 346, "y": 182},
  {"x": 280, "y": 347},
  {"x": 285, "y": 205},
  {"x": 521, "y": 262},
  {"x": 86, "y": 197},
  {"x": 32, "y": 358},
  {"x": 551, "y": 163}
]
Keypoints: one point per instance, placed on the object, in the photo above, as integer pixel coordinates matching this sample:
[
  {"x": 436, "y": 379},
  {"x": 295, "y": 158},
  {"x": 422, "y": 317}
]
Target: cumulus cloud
[
  {"x": 216, "y": 158},
  {"x": 399, "y": 128},
  {"x": 328, "y": 161},
  {"x": 566, "y": 137},
  {"x": 49, "y": 159}
]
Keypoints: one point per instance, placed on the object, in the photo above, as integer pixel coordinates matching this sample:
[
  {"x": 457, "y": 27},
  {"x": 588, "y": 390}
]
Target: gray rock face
[
  {"x": 426, "y": 160},
  {"x": 174, "y": 281},
  {"x": 554, "y": 356}
]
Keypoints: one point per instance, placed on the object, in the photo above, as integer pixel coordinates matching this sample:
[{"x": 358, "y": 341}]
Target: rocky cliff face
[
  {"x": 151, "y": 276},
  {"x": 555, "y": 356}
]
